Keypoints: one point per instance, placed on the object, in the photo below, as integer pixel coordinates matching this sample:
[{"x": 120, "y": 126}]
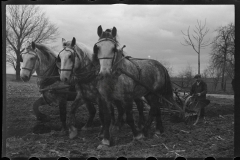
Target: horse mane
[
  {"x": 81, "y": 48},
  {"x": 124, "y": 53},
  {"x": 45, "y": 50},
  {"x": 108, "y": 34}
]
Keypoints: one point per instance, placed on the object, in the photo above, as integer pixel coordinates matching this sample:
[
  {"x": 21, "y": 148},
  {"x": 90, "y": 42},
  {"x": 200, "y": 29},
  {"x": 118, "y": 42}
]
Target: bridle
[
  {"x": 114, "y": 51},
  {"x": 73, "y": 55},
  {"x": 29, "y": 69}
]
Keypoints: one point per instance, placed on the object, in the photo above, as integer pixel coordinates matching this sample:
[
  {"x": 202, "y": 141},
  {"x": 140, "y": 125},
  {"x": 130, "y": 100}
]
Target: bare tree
[
  {"x": 205, "y": 74},
  {"x": 25, "y": 23},
  {"x": 214, "y": 74},
  {"x": 200, "y": 32},
  {"x": 223, "y": 50}
]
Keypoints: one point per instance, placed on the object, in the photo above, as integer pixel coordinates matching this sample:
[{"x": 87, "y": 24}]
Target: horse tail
[{"x": 168, "y": 91}]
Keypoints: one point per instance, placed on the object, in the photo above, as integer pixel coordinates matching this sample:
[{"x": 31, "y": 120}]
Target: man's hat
[{"x": 197, "y": 76}]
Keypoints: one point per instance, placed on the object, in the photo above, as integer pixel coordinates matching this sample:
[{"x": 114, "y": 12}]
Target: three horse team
[{"x": 101, "y": 75}]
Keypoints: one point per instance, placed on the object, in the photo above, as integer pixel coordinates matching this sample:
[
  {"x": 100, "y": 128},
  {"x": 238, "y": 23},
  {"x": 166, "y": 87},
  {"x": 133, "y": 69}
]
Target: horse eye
[
  {"x": 70, "y": 56},
  {"x": 114, "y": 49}
]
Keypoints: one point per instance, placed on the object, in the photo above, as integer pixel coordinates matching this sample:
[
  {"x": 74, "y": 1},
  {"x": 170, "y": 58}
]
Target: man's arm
[{"x": 204, "y": 89}]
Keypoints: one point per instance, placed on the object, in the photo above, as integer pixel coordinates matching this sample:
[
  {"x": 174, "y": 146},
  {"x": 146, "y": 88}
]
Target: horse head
[
  {"x": 67, "y": 58},
  {"x": 28, "y": 59},
  {"x": 106, "y": 49}
]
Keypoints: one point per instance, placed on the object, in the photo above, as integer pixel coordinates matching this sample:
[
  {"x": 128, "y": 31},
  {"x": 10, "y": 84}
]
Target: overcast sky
[{"x": 146, "y": 30}]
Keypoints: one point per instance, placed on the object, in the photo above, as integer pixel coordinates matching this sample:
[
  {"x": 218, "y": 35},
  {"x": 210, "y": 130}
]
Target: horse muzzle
[
  {"x": 65, "y": 79},
  {"x": 25, "y": 78},
  {"x": 105, "y": 73}
]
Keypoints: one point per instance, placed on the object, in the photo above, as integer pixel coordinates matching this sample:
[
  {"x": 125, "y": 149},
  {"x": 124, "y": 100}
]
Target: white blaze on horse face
[
  {"x": 29, "y": 61},
  {"x": 105, "y": 50},
  {"x": 66, "y": 65}
]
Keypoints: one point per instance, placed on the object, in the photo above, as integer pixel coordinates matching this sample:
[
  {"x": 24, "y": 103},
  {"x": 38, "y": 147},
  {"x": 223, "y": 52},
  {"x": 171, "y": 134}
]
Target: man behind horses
[{"x": 199, "y": 91}]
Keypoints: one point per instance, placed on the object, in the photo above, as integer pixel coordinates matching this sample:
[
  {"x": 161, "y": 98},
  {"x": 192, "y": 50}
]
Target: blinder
[
  {"x": 95, "y": 49},
  {"x": 58, "y": 58}
]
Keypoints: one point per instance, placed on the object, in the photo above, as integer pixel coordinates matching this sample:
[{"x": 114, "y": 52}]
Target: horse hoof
[
  {"x": 84, "y": 128},
  {"x": 102, "y": 147},
  {"x": 139, "y": 136},
  {"x": 105, "y": 142},
  {"x": 72, "y": 132},
  {"x": 157, "y": 132},
  {"x": 63, "y": 132}
]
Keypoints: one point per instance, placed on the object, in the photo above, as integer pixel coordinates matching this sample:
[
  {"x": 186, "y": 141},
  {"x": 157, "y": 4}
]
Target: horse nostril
[{"x": 24, "y": 78}]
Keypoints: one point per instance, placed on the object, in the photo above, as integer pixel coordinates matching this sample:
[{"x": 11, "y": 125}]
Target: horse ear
[
  {"x": 33, "y": 45},
  {"x": 99, "y": 31},
  {"x": 95, "y": 49},
  {"x": 114, "y": 32},
  {"x": 73, "y": 42},
  {"x": 63, "y": 41}
]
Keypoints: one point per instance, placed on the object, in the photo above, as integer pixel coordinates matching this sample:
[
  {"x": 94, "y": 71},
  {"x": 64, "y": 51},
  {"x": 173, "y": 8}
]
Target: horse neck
[
  {"x": 121, "y": 62},
  {"x": 85, "y": 62},
  {"x": 44, "y": 64}
]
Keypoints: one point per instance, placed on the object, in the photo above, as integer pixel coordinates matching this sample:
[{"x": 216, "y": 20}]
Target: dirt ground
[{"x": 213, "y": 138}]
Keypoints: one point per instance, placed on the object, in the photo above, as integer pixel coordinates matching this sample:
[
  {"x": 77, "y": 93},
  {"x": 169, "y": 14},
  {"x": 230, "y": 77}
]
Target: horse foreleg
[
  {"x": 120, "y": 121},
  {"x": 101, "y": 116},
  {"x": 92, "y": 111},
  {"x": 40, "y": 116},
  {"x": 107, "y": 122},
  {"x": 72, "y": 119},
  {"x": 112, "y": 114},
  {"x": 141, "y": 118},
  {"x": 63, "y": 114}
]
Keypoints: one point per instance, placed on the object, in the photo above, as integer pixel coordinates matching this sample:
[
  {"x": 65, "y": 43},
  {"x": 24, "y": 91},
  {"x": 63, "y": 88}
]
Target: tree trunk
[
  {"x": 222, "y": 81},
  {"x": 199, "y": 63},
  {"x": 223, "y": 73},
  {"x": 18, "y": 72},
  {"x": 225, "y": 84},
  {"x": 18, "y": 68}
]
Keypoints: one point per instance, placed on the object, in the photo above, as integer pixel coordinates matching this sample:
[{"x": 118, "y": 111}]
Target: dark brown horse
[
  {"x": 77, "y": 65},
  {"x": 116, "y": 84},
  {"x": 39, "y": 58}
]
